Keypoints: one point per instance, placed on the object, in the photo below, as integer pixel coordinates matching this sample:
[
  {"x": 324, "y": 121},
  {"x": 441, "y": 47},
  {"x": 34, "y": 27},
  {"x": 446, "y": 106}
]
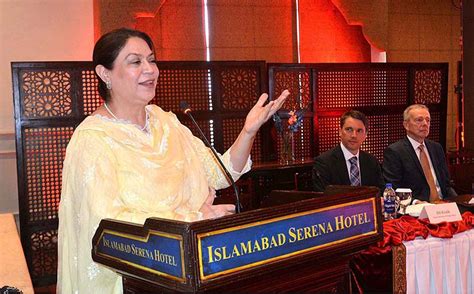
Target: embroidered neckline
[{"x": 145, "y": 129}]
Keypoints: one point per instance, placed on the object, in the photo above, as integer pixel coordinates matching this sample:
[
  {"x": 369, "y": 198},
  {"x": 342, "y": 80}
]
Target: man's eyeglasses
[{"x": 349, "y": 130}]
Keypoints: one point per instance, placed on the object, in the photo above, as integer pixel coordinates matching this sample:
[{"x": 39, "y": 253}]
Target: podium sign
[
  {"x": 158, "y": 253},
  {"x": 229, "y": 250},
  {"x": 309, "y": 237}
]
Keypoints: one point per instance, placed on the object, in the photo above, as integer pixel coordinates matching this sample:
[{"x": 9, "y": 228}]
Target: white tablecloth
[{"x": 438, "y": 265}]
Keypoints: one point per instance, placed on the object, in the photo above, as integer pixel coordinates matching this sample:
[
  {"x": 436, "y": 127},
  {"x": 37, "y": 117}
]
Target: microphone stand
[
  {"x": 316, "y": 176},
  {"x": 187, "y": 111}
]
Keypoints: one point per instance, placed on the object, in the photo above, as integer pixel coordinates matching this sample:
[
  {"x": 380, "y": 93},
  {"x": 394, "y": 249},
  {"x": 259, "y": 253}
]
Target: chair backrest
[{"x": 461, "y": 169}]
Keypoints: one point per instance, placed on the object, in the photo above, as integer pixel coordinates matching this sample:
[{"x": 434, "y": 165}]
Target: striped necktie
[{"x": 354, "y": 172}]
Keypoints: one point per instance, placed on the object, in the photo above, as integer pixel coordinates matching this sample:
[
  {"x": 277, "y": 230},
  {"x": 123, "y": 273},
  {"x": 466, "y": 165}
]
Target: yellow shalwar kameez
[{"x": 114, "y": 170}]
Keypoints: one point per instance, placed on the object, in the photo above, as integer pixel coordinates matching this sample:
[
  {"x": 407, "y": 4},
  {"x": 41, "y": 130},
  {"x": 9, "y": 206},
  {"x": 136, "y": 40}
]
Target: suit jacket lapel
[
  {"x": 364, "y": 170},
  {"x": 413, "y": 155},
  {"x": 341, "y": 166},
  {"x": 434, "y": 159}
]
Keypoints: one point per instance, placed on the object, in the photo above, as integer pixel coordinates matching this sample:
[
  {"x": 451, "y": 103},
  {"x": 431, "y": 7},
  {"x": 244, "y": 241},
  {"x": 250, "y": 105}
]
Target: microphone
[{"x": 187, "y": 110}]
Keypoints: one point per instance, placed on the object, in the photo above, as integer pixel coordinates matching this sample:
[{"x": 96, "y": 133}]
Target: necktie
[
  {"x": 425, "y": 164},
  {"x": 354, "y": 172}
]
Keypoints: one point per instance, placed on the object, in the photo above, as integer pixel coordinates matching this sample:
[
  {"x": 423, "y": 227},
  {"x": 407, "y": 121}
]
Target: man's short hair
[
  {"x": 356, "y": 115},
  {"x": 406, "y": 114}
]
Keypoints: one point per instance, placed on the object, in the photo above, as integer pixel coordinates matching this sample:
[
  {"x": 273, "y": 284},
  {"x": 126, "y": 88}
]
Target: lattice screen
[
  {"x": 45, "y": 148},
  {"x": 428, "y": 86},
  {"x": 204, "y": 125},
  {"x": 382, "y": 133},
  {"x": 240, "y": 88},
  {"x": 364, "y": 87},
  {"x": 52, "y": 98},
  {"x": 47, "y": 94},
  {"x": 191, "y": 85},
  {"x": 91, "y": 98},
  {"x": 381, "y": 91}
]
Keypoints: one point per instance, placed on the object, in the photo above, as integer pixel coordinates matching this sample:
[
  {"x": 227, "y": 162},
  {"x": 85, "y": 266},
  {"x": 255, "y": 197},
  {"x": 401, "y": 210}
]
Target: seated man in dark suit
[
  {"x": 346, "y": 164},
  {"x": 415, "y": 162}
]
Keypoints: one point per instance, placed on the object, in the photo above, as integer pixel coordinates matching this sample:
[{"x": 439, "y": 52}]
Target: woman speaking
[{"x": 130, "y": 161}]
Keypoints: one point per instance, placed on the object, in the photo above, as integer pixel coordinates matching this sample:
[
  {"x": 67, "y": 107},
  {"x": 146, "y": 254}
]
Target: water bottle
[{"x": 389, "y": 202}]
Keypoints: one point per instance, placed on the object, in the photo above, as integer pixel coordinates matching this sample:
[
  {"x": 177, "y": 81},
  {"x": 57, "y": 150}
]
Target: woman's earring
[{"x": 108, "y": 83}]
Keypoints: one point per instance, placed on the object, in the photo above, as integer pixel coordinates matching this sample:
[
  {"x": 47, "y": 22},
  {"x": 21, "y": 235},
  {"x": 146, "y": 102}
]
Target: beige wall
[
  {"x": 239, "y": 30},
  {"x": 427, "y": 31},
  {"x": 176, "y": 26},
  {"x": 413, "y": 31},
  {"x": 326, "y": 36},
  {"x": 252, "y": 30},
  {"x": 35, "y": 30}
]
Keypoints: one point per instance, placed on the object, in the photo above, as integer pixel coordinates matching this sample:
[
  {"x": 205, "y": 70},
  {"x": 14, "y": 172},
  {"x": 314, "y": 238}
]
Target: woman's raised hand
[{"x": 259, "y": 114}]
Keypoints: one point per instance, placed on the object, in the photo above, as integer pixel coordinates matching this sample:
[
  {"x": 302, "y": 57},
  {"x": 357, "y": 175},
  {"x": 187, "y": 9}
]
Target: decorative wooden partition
[
  {"x": 52, "y": 98},
  {"x": 381, "y": 90}
]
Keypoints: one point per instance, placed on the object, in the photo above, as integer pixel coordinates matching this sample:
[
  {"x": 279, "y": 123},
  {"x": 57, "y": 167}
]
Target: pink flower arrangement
[
  {"x": 293, "y": 118},
  {"x": 294, "y": 121}
]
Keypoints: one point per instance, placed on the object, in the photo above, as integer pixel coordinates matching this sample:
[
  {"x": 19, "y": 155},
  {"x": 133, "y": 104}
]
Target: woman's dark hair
[{"x": 108, "y": 48}]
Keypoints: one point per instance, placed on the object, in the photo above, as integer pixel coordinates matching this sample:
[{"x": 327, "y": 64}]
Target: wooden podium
[{"x": 300, "y": 246}]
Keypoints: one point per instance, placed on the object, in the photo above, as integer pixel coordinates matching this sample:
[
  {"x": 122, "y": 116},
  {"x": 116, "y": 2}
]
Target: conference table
[
  {"x": 437, "y": 265},
  {"x": 418, "y": 257}
]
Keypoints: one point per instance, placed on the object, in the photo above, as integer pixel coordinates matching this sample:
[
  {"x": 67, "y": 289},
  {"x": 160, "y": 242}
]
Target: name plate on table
[
  {"x": 446, "y": 212},
  {"x": 160, "y": 253},
  {"x": 229, "y": 250}
]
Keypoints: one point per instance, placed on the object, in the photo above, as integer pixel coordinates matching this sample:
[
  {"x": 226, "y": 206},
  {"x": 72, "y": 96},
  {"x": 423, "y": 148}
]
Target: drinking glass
[{"x": 405, "y": 197}]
